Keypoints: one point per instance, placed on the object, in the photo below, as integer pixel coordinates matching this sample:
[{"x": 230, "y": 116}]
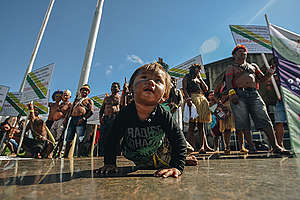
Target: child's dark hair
[{"x": 152, "y": 67}]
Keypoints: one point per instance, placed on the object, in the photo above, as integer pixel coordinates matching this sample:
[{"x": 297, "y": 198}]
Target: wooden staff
[
  {"x": 50, "y": 136},
  {"x": 268, "y": 67},
  {"x": 94, "y": 139},
  {"x": 72, "y": 149},
  {"x": 23, "y": 132}
]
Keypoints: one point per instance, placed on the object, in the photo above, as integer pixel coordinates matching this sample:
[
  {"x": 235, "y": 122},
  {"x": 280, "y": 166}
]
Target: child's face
[
  {"x": 149, "y": 87},
  {"x": 211, "y": 96}
]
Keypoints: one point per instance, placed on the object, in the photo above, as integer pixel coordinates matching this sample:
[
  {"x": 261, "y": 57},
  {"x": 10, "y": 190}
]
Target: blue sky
[{"x": 132, "y": 32}]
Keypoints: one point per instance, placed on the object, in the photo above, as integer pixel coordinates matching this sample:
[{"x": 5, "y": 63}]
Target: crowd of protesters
[{"x": 145, "y": 122}]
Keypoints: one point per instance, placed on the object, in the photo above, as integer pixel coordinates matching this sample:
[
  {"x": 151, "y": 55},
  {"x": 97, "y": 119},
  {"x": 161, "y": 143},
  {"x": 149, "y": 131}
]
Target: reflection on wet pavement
[{"x": 267, "y": 178}]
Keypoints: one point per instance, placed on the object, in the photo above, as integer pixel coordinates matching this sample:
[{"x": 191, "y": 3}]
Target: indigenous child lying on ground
[{"x": 151, "y": 139}]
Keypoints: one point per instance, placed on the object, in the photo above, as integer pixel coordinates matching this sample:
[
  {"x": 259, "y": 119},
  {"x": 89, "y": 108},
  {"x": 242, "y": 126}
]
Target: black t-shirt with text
[{"x": 143, "y": 138}]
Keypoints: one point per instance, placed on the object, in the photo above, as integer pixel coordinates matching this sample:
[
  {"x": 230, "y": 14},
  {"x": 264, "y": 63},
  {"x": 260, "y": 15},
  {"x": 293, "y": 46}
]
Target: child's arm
[{"x": 177, "y": 141}]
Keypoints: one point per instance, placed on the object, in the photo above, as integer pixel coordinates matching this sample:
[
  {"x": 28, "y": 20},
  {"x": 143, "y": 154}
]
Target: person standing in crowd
[
  {"x": 241, "y": 81},
  {"x": 60, "y": 114},
  {"x": 82, "y": 110},
  {"x": 194, "y": 88},
  {"x": 279, "y": 113},
  {"x": 56, "y": 97},
  {"x": 163, "y": 64},
  {"x": 5, "y": 131},
  {"x": 175, "y": 102},
  {"x": 107, "y": 114},
  {"x": 150, "y": 137},
  {"x": 126, "y": 96},
  {"x": 226, "y": 125},
  {"x": 214, "y": 125},
  {"x": 60, "y": 119}
]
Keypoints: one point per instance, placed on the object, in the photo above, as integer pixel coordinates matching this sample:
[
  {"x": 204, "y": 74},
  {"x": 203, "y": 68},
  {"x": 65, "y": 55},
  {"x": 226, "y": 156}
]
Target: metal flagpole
[
  {"x": 268, "y": 67},
  {"x": 85, "y": 71},
  {"x": 272, "y": 77},
  {"x": 37, "y": 44}
]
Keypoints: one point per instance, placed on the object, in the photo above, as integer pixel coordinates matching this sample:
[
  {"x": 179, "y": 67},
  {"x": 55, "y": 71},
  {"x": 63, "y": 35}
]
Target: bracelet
[
  {"x": 84, "y": 118},
  {"x": 231, "y": 92},
  {"x": 31, "y": 111}
]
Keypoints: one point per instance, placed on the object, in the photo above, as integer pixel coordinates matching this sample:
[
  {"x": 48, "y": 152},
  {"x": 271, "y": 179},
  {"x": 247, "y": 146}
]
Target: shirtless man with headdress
[
  {"x": 241, "y": 81},
  {"x": 82, "y": 110},
  {"x": 53, "y": 106},
  {"x": 108, "y": 112}
]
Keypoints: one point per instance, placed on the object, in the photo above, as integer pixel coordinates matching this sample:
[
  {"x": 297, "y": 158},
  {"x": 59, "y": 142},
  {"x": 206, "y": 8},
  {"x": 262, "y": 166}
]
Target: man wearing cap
[
  {"x": 82, "y": 110},
  {"x": 241, "y": 81},
  {"x": 108, "y": 112}
]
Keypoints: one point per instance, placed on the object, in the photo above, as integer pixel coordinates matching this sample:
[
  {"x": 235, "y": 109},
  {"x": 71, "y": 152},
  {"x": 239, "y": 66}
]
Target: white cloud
[
  {"x": 210, "y": 45},
  {"x": 135, "y": 59},
  {"x": 261, "y": 11},
  {"x": 109, "y": 70},
  {"x": 97, "y": 64}
]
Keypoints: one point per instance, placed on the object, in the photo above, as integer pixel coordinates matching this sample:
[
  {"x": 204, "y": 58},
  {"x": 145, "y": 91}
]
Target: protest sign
[
  {"x": 255, "y": 38},
  {"x": 37, "y": 84}
]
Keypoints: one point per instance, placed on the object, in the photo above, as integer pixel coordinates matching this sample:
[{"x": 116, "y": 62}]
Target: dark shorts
[
  {"x": 74, "y": 128},
  {"x": 280, "y": 114},
  {"x": 250, "y": 104},
  {"x": 35, "y": 146}
]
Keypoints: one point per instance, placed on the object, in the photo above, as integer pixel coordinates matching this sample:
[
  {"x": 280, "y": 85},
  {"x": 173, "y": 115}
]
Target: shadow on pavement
[{"x": 64, "y": 177}]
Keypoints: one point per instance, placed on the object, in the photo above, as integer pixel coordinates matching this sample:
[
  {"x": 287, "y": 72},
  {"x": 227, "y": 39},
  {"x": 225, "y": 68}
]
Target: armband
[{"x": 231, "y": 92}]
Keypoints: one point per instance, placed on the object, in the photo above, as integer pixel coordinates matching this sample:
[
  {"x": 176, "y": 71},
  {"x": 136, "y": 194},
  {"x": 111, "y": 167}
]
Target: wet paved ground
[{"x": 259, "y": 176}]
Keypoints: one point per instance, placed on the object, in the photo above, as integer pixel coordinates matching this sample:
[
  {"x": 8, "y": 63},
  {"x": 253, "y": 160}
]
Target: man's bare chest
[{"x": 113, "y": 101}]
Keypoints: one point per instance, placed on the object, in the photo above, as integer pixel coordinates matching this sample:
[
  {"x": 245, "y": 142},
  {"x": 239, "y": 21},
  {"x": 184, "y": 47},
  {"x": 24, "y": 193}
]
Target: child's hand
[
  {"x": 108, "y": 169},
  {"x": 168, "y": 172}
]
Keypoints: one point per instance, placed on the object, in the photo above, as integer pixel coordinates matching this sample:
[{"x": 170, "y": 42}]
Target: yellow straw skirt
[
  {"x": 202, "y": 106},
  {"x": 227, "y": 124}
]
